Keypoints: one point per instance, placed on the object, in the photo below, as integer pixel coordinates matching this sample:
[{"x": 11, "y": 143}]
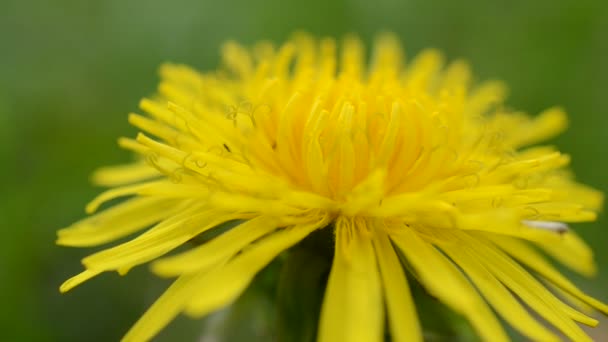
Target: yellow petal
[
  {"x": 424, "y": 69},
  {"x": 546, "y": 125},
  {"x": 342, "y": 160},
  {"x": 456, "y": 77},
  {"x": 237, "y": 59},
  {"x": 529, "y": 257},
  {"x": 571, "y": 251},
  {"x": 222, "y": 247},
  {"x": 526, "y": 287},
  {"x": 157, "y": 241},
  {"x": 161, "y": 187},
  {"x": 497, "y": 295},
  {"x": 404, "y": 325},
  {"x": 77, "y": 280},
  {"x": 443, "y": 280},
  {"x": 165, "y": 132},
  {"x": 352, "y": 57},
  {"x": 369, "y": 192},
  {"x": 164, "y": 309},
  {"x": 245, "y": 203},
  {"x": 116, "y": 222},
  {"x": 484, "y": 97},
  {"x": 224, "y": 285},
  {"x": 352, "y": 307},
  {"x": 208, "y": 290},
  {"x": 387, "y": 58},
  {"x": 124, "y": 174}
]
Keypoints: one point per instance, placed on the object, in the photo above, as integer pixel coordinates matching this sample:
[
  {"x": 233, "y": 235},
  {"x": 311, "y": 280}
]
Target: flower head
[{"x": 406, "y": 163}]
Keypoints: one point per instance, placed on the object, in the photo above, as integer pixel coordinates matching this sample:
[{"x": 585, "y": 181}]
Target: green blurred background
[{"x": 71, "y": 70}]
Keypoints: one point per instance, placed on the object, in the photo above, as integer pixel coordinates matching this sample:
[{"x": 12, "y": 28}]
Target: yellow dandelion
[{"x": 408, "y": 165}]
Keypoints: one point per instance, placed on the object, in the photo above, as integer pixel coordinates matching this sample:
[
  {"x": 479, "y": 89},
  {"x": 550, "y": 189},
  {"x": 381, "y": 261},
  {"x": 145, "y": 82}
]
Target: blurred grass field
[{"x": 71, "y": 70}]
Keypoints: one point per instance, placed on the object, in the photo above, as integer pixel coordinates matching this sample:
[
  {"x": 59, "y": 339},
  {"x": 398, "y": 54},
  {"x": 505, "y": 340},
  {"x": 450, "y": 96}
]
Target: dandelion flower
[{"x": 411, "y": 166}]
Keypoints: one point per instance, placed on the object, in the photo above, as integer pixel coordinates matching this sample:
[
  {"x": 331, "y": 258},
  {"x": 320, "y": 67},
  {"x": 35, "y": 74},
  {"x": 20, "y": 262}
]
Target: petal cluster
[{"x": 411, "y": 164}]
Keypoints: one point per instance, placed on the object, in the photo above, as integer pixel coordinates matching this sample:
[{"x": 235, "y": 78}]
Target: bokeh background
[{"x": 71, "y": 70}]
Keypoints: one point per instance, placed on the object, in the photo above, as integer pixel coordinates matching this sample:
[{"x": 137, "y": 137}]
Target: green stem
[{"x": 302, "y": 283}]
